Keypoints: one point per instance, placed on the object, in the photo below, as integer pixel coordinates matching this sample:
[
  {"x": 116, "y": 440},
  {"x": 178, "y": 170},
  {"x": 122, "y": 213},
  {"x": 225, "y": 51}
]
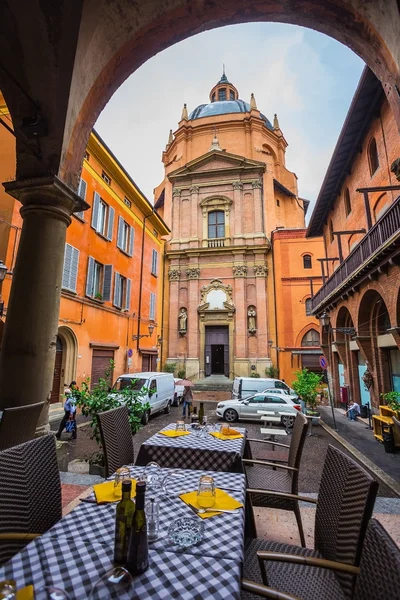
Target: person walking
[
  {"x": 187, "y": 400},
  {"x": 69, "y": 411}
]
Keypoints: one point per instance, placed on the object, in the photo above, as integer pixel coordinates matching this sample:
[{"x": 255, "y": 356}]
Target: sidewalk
[{"x": 362, "y": 439}]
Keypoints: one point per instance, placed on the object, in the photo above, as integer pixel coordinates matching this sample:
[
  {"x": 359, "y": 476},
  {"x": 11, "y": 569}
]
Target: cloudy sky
[{"x": 305, "y": 77}]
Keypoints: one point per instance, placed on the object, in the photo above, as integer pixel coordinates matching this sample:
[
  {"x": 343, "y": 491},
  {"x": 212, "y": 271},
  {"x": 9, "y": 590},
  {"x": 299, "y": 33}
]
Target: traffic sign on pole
[{"x": 323, "y": 363}]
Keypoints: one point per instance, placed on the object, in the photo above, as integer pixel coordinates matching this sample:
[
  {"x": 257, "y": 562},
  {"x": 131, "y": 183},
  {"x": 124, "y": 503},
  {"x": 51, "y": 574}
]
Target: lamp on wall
[
  {"x": 325, "y": 322},
  {"x": 150, "y": 327},
  {"x": 3, "y": 272}
]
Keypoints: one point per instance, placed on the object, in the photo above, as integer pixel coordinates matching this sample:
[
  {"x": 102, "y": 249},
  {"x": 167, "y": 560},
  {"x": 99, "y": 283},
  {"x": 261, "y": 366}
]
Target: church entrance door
[{"x": 217, "y": 351}]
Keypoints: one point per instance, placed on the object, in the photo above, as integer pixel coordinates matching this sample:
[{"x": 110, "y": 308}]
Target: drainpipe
[
  {"x": 275, "y": 311},
  {"x": 141, "y": 279},
  {"x": 162, "y": 310}
]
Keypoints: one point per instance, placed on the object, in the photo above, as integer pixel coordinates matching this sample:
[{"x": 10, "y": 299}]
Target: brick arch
[
  {"x": 381, "y": 202},
  {"x": 370, "y": 312}
]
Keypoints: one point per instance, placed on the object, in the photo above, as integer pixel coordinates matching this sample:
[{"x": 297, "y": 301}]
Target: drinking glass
[
  {"x": 152, "y": 510},
  {"x": 49, "y": 592},
  {"x": 152, "y": 476},
  {"x": 8, "y": 590},
  {"x": 121, "y": 474},
  {"x": 111, "y": 585},
  {"x": 180, "y": 426},
  {"x": 206, "y": 492},
  {"x": 225, "y": 428}
]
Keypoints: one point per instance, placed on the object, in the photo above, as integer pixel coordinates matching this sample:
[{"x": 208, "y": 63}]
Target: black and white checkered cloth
[
  {"x": 193, "y": 451},
  {"x": 78, "y": 550}
]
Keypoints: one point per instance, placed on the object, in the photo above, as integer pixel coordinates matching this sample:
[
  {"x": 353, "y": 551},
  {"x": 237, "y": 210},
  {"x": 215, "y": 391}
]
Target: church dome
[{"x": 220, "y": 105}]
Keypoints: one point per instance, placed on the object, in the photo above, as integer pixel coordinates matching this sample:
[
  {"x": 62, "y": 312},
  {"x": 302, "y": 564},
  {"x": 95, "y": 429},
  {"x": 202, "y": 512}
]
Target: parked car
[
  {"x": 243, "y": 387},
  {"x": 160, "y": 390},
  {"x": 178, "y": 396},
  {"x": 233, "y": 410}
]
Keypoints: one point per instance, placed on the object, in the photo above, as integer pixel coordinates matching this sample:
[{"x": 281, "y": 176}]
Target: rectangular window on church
[
  {"x": 216, "y": 224},
  {"x": 222, "y": 94}
]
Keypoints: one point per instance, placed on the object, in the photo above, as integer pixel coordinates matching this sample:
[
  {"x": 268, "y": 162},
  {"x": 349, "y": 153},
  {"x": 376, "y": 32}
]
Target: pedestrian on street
[
  {"x": 69, "y": 412},
  {"x": 353, "y": 411},
  {"x": 187, "y": 400}
]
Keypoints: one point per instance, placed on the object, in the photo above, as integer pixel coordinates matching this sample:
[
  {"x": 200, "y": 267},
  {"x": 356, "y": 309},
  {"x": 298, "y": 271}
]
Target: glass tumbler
[
  {"x": 121, "y": 474},
  {"x": 206, "y": 492},
  {"x": 180, "y": 426}
]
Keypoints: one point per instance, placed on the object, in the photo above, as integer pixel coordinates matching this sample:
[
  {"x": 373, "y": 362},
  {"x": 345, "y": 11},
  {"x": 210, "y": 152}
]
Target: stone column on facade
[
  {"x": 258, "y": 216},
  {"x": 241, "y": 346},
  {"x": 237, "y": 229},
  {"x": 29, "y": 339},
  {"x": 260, "y": 273},
  {"x": 194, "y": 209},
  {"x": 193, "y": 274},
  {"x": 174, "y": 306},
  {"x": 176, "y": 215}
]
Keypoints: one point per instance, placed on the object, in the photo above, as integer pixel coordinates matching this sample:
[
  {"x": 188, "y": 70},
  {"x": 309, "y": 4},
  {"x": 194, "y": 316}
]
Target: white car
[
  {"x": 178, "y": 396},
  {"x": 233, "y": 410}
]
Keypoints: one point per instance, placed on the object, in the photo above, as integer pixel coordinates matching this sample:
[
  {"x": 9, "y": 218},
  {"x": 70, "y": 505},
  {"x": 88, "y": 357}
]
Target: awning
[
  {"x": 148, "y": 351},
  {"x": 318, "y": 352}
]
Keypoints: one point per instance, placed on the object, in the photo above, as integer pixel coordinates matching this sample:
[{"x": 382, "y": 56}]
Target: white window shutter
[
  {"x": 110, "y": 226},
  {"x": 131, "y": 239},
  {"x": 107, "y": 283},
  {"x": 95, "y": 210},
  {"x": 117, "y": 290},
  {"x": 90, "y": 277},
  {"x": 67, "y": 267},
  {"x": 74, "y": 269},
  {"x": 120, "y": 232},
  {"x": 128, "y": 294},
  {"x": 82, "y": 189},
  {"x": 152, "y": 306},
  {"x": 154, "y": 262}
]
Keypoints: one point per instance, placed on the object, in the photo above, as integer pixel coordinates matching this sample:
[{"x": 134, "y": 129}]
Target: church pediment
[{"x": 217, "y": 161}]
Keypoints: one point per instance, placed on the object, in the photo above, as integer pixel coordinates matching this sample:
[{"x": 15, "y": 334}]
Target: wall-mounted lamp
[
  {"x": 143, "y": 335},
  {"x": 325, "y": 322}
]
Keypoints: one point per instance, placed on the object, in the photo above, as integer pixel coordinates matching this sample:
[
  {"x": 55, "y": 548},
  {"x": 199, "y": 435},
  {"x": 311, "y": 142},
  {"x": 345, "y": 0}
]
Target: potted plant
[
  {"x": 306, "y": 386},
  {"x": 255, "y": 375},
  {"x": 99, "y": 399},
  {"x": 272, "y": 372},
  {"x": 392, "y": 400}
]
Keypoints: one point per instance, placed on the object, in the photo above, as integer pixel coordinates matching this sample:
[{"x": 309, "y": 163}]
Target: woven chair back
[
  {"x": 116, "y": 438},
  {"x": 18, "y": 424},
  {"x": 30, "y": 491},
  {"x": 380, "y": 566},
  {"x": 346, "y": 500}
]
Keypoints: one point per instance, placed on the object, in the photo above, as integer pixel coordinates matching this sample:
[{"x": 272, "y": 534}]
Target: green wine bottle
[
  {"x": 201, "y": 413},
  {"x": 123, "y": 523},
  {"x": 138, "y": 551}
]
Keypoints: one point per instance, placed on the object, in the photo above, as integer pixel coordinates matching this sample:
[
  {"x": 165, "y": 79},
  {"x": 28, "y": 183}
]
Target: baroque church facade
[{"x": 235, "y": 287}]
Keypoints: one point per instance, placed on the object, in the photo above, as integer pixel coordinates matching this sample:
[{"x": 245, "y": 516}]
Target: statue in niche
[
  {"x": 182, "y": 321},
  {"x": 251, "y": 319}
]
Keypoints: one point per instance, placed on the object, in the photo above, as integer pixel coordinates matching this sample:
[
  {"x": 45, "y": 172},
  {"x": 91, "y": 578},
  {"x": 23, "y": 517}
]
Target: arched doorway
[
  {"x": 56, "y": 389},
  {"x": 65, "y": 362}
]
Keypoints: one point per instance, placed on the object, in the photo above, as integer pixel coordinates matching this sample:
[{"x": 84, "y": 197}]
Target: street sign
[
  {"x": 323, "y": 362},
  {"x": 130, "y": 353}
]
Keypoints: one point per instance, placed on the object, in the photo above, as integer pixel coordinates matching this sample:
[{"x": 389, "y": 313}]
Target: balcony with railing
[
  {"x": 376, "y": 243},
  {"x": 218, "y": 242}
]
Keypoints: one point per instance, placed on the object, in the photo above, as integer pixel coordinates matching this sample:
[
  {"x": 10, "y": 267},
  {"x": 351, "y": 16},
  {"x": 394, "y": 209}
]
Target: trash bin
[
  {"x": 388, "y": 439},
  {"x": 364, "y": 411}
]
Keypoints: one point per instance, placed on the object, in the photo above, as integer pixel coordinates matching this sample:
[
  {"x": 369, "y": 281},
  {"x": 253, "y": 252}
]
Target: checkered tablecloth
[
  {"x": 78, "y": 550},
  {"x": 193, "y": 451}
]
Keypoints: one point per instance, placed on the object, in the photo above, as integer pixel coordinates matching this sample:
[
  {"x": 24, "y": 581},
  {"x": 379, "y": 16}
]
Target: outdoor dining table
[
  {"x": 195, "y": 451},
  {"x": 75, "y": 553}
]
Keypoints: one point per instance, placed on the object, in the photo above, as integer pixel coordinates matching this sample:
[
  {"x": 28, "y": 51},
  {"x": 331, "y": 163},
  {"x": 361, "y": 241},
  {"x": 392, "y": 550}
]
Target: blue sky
[{"x": 305, "y": 77}]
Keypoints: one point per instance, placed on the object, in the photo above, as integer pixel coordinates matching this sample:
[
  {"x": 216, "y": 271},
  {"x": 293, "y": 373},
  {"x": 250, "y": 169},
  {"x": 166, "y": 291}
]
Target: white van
[
  {"x": 160, "y": 390},
  {"x": 243, "y": 387}
]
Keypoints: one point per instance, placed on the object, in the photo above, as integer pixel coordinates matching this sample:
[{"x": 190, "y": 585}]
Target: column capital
[
  {"x": 174, "y": 274},
  {"x": 48, "y": 194},
  {"x": 239, "y": 270},
  {"x": 237, "y": 185}
]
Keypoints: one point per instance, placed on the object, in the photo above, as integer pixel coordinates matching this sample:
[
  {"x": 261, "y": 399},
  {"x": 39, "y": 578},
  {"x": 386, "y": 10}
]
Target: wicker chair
[
  {"x": 116, "y": 438},
  {"x": 279, "y": 477},
  {"x": 377, "y": 577},
  {"x": 30, "y": 493},
  {"x": 345, "y": 502},
  {"x": 18, "y": 424}
]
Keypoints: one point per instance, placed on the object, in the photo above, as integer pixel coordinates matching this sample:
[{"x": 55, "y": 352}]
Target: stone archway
[{"x": 70, "y": 354}]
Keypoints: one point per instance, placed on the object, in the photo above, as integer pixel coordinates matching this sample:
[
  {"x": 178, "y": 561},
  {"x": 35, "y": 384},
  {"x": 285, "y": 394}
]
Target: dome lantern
[{"x": 224, "y": 90}]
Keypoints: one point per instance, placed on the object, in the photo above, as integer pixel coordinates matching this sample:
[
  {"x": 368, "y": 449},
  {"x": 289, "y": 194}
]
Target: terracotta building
[
  {"x": 112, "y": 284},
  {"x": 358, "y": 214},
  {"x": 227, "y": 197}
]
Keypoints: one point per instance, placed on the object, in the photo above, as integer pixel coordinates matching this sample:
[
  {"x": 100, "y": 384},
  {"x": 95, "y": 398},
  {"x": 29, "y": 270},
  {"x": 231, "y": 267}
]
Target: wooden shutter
[
  {"x": 128, "y": 294},
  {"x": 90, "y": 277},
  {"x": 82, "y": 193},
  {"x": 74, "y": 269},
  {"x": 120, "y": 232},
  {"x": 67, "y": 266},
  {"x": 107, "y": 283},
  {"x": 95, "y": 210},
  {"x": 154, "y": 262},
  {"x": 100, "y": 364},
  {"x": 110, "y": 226},
  {"x": 152, "y": 306},
  {"x": 131, "y": 238},
  {"x": 117, "y": 290}
]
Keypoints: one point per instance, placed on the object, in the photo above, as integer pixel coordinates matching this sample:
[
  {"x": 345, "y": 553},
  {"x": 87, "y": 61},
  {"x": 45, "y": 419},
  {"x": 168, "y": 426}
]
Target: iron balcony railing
[{"x": 384, "y": 229}]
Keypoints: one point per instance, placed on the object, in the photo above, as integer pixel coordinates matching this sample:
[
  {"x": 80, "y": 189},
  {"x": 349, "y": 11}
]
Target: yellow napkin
[
  {"x": 25, "y": 593},
  {"x": 173, "y": 433},
  {"x": 222, "y": 500},
  {"x": 108, "y": 492},
  {"x": 221, "y": 436}
]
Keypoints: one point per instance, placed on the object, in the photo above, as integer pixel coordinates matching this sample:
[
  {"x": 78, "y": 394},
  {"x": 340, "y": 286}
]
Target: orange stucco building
[
  {"x": 238, "y": 280},
  {"x": 112, "y": 286}
]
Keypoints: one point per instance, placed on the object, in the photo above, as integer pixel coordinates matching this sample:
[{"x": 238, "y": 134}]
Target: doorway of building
[
  {"x": 55, "y": 391},
  {"x": 217, "y": 351},
  {"x": 362, "y": 367}
]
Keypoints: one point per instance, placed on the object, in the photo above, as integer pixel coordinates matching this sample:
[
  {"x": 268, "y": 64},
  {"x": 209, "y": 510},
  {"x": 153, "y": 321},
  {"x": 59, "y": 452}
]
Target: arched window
[
  {"x": 307, "y": 262},
  {"x": 222, "y": 94},
  {"x": 347, "y": 202},
  {"x": 311, "y": 338},
  {"x": 216, "y": 224},
  {"x": 308, "y": 304},
  {"x": 373, "y": 158},
  {"x": 331, "y": 236}
]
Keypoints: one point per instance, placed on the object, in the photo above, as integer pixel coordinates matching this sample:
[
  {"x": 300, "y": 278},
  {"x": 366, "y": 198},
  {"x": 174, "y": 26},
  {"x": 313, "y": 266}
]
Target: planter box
[{"x": 97, "y": 470}]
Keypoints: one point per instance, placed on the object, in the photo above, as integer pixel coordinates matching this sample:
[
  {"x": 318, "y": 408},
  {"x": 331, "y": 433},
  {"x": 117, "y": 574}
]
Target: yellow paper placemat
[
  {"x": 221, "y": 436},
  {"x": 222, "y": 500},
  {"x": 108, "y": 492},
  {"x": 172, "y": 433},
  {"x": 25, "y": 593}
]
